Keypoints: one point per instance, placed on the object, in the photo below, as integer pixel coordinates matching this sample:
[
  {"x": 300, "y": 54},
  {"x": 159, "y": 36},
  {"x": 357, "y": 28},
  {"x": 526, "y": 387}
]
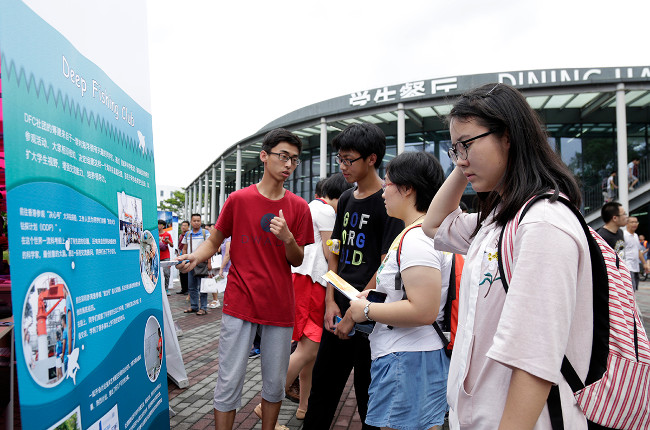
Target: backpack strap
[
  {"x": 398, "y": 275},
  {"x": 399, "y": 285}
]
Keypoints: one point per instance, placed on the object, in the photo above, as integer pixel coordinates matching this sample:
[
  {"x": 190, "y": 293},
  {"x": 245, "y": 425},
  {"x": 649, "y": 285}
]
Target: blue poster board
[{"x": 82, "y": 219}]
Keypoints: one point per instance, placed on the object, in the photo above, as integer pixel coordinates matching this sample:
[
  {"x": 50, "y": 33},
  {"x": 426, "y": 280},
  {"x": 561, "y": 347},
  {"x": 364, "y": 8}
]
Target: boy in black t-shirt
[
  {"x": 365, "y": 232},
  {"x": 614, "y": 217}
]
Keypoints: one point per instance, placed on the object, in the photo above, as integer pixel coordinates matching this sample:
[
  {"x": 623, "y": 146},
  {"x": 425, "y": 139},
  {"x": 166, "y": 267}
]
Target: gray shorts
[{"x": 234, "y": 345}]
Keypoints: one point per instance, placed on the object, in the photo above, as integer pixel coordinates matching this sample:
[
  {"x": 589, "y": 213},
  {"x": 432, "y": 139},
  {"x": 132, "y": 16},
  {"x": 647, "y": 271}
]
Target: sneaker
[
  {"x": 255, "y": 352},
  {"x": 214, "y": 304}
]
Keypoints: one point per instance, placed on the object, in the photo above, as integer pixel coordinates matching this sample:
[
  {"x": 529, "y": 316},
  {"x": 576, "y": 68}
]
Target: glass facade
[{"x": 579, "y": 116}]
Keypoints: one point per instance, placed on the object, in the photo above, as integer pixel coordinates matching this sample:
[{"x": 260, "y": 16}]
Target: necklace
[{"x": 417, "y": 219}]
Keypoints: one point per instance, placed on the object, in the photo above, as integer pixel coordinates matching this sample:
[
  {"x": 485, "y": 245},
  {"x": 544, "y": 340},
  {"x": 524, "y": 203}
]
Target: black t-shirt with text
[
  {"x": 616, "y": 241},
  {"x": 366, "y": 233}
]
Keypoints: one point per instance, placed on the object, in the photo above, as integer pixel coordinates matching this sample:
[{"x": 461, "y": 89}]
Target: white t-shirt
[
  {"x": 197, "y": 239},
  {"x": 632, "y": 248},
  {"x": 610, "y": 183},
  {"x": 417, "y": 250},
  {"x": 546, "y": 314},
  {"x": 314, "y": 263}
]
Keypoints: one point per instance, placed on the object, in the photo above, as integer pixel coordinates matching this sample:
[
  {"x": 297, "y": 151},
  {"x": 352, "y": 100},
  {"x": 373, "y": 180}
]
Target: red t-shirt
[
  {"x": 164, "y": 254},
  {"x": 259, "y": 286}
]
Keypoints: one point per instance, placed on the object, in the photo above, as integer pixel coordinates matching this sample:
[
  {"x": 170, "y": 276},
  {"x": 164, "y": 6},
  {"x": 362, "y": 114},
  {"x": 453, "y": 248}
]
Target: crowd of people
[{"x": 394, "y": 239}]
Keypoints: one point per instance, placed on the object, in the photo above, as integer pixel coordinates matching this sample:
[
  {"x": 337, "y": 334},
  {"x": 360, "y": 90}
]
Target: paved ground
[{"x": 193, "y": 405}]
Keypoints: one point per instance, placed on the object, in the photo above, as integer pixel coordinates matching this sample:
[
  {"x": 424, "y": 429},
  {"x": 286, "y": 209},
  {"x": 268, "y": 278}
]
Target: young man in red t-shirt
[
  {"x": 272, "y": 227},
  {"x": 164, "y": 243}
]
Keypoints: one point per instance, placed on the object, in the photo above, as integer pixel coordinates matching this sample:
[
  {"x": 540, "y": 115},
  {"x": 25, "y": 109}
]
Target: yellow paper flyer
[{"x": 340, "y": 284}]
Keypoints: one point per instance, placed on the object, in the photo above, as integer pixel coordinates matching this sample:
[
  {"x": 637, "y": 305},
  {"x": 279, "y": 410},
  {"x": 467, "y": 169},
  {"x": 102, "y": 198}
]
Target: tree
[{"x": 175, "y": 204}]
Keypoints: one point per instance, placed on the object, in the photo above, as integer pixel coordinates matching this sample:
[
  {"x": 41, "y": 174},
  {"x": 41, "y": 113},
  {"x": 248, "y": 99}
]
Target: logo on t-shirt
[
  {"x": 266, "y": 222},
  {"x": 353, "y": 239}
]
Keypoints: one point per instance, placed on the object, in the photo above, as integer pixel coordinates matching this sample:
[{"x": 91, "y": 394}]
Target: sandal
[
  {"x": 300, "y": 414},
  {"x": 189, "y": 311},
  {"x": 258, "y": 412},
  {"x": 201, "y": 312}
]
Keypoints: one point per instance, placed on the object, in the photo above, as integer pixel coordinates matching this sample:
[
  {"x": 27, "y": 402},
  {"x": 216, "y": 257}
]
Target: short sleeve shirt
[
  {"x": 314, "y": 264},
  {"x": 417, "y": 250},
  {"x": 260, "y": 288},
  {"x": 615, "y": 240},
  {"x": 194, "y": 239},
  {"x": 366, "y": 233}
]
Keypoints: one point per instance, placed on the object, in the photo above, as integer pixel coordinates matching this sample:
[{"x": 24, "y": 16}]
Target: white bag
[
  {"x": 209, "y": 285},
  {"x": 214, "y": 285}
]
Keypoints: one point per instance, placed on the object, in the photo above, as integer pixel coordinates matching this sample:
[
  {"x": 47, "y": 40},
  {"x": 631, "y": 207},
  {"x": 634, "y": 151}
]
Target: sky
[{"x": 220, "y": 71}]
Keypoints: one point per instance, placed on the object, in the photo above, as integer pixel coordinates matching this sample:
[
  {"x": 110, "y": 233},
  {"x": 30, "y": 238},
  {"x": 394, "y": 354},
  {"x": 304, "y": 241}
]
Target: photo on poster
[
  {"x": 153, "y": 348},
  {"x": 72, "y": 421},
  {"x": 110, "y": 421},
  {"x": 149, "y": 261},
  {"x": 48, "y": 330},
  {"x": 129, "y": 209}
]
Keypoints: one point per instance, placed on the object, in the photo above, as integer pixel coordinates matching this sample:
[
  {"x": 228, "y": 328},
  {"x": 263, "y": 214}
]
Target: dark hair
[
  {"x": 533, "y": 167},
  {"x": 463, "y": 206},
  {"x": 335, "y": 185},
  {"x": 193, "y": 215},
  {"x": 274, "y": 137},
  {"x": 162, "y": 222},
  {"x": 63, "y": 318},
  {"x": 319, "y": 187},
  {"x": 365, "y": 138},
  {"x": 185, "y": 222},
  {"x": 609, "y": 211},
  {"x": 419, "y": 171}
]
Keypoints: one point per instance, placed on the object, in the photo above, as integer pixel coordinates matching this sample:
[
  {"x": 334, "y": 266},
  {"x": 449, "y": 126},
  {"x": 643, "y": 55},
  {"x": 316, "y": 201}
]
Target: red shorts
[{"x": 310, "y": 308}]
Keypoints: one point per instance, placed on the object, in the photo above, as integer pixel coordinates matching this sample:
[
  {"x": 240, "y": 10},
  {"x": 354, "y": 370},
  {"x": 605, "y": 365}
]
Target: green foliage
[
  {"x": 175, "y": 204},
  {"x": 69, "y": 424}
]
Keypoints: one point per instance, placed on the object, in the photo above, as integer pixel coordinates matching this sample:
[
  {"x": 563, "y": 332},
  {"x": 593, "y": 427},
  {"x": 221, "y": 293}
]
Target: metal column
[
  {"x": 190, "y": 203},
  {"x": 401, "y": 128},
  {"x": 323, "y": 148},
  {"x": 222, "y": 189},
  {"x": 621, "y": 147},
  {"x": 198, "y": 196},
  {"x": 187, "y": 198},
  {"x": 213, "y": 196},
  {"x": 206, "y": 216},
  {"x": 238, "y": 172}
]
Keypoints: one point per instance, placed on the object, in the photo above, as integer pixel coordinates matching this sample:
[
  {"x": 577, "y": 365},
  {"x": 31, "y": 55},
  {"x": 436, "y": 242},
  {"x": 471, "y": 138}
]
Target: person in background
[
  {"x": 165, "y": 242},
  {"x": 644, "y": 245},
  {"x": 611, "y": 187},
  {"x": 633, "y": 172},
  {"x": 309, "y": 287},
  {"x": 614, "y": 216},
  {"x": 633, "y": 250},
  {"x": 409, "y": 368},
  {"x": 185, "y": 226},
  {"x": 191, "y": 242}
]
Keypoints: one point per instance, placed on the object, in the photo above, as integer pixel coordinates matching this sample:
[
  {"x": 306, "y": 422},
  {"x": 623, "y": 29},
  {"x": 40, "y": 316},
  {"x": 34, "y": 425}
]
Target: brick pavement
[{"x": 193, "y": 405}]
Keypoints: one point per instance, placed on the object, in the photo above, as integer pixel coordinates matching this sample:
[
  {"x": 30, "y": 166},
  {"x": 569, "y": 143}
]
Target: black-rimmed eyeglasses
[
  {"x": 345, "y": 161},
  {"x": 459, "y": 150},
  {"x": 284, "y": 158}
]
